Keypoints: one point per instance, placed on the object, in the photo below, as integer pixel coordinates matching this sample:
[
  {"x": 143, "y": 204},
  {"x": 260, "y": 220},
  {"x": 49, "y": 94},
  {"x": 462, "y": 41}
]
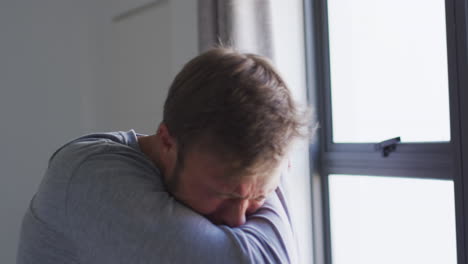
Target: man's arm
[{"x": 116, "y": 216}]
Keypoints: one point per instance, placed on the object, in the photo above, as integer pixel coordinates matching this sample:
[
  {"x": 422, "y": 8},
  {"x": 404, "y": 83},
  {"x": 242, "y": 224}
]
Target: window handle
[{"x": 387, "y": 146}]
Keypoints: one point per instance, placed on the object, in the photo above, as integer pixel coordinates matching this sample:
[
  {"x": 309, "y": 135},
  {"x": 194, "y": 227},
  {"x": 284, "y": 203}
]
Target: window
[
  {"x": 380, "y": 64},
  {"x": 406, "y": 220},
  {"x": 388, "y": 172}
]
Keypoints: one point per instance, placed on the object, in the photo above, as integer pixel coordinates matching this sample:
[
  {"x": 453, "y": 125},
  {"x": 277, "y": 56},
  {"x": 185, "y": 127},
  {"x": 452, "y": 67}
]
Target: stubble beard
[{"x": 172, "y": 182}]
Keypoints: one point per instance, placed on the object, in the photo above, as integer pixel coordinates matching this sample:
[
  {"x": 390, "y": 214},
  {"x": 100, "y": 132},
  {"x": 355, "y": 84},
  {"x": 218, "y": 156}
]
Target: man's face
[{"x": 203, "y": 184}]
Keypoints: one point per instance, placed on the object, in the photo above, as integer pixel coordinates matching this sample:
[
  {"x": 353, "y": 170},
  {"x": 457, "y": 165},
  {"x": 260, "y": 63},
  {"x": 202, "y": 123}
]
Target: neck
[{"x": 149, "y": 145}]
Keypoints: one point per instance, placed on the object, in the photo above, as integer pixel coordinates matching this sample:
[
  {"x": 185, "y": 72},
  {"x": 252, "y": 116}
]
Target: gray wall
[
  {"x": 66, "y": 68},
  {"x": 138, "y": 58}
]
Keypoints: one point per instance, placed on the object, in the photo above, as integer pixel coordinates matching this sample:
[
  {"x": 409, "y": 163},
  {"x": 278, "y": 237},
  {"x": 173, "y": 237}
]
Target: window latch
[{"x": 387, "y": 146}]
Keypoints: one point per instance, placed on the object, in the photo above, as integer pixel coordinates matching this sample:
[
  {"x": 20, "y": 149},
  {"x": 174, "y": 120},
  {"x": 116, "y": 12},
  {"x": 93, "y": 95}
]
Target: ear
[{"x": 168, "y": 142}]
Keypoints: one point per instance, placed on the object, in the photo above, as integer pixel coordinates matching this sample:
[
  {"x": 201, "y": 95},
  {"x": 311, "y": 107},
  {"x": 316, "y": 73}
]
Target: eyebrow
[{"x": 238, "y": 196}]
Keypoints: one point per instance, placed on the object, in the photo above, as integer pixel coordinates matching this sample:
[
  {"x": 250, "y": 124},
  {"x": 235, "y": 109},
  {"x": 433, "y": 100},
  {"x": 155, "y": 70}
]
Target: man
[{"x": 203, "y": 189}]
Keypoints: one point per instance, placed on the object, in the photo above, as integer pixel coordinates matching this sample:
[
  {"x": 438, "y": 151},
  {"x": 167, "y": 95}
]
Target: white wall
[{"x": 64, "y": 68}]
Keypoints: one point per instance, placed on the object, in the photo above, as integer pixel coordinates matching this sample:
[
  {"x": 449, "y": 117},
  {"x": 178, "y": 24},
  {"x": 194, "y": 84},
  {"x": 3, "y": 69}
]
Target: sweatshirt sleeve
[{"x": 115, "y": 214}]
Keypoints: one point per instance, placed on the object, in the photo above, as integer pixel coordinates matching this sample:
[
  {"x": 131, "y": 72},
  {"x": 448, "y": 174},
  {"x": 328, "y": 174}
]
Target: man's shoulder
[
  {"x": 80, "y": 149},
  {"x": 103, "y": 153},
  {"x": 96, "y": 157},
  {"x": 85, "y": 165}
]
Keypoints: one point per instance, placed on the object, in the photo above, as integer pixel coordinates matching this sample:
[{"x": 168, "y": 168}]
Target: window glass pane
[
  {"x": 388, "y": 66},
  {"x": 389, "y": 220}
]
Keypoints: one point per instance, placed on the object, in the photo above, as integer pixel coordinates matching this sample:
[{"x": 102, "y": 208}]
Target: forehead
[
  {"x": 224, "y": 175},
  {"x": 253, "y": 187}
]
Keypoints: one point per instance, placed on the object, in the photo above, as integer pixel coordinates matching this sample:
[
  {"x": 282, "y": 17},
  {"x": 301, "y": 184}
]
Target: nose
[{"x": 234, "y": 215}]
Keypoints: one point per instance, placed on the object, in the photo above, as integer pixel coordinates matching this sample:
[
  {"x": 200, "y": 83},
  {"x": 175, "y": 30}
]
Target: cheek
[
  {"x": 197, "y": 198},
  {"x": 206, "y": 204}
]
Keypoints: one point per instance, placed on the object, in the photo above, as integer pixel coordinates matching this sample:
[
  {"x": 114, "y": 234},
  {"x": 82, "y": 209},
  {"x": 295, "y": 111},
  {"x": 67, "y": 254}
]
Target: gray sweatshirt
[{"x": 103, "y": 201}]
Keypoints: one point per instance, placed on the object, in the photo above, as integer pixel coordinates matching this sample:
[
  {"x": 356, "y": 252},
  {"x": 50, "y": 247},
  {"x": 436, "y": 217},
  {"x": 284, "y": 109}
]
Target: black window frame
[{"x": 444, "y": 160}]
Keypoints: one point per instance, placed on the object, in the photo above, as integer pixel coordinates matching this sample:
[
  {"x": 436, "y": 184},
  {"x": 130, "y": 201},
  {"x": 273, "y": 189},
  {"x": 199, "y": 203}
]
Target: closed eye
[{"x": 260, "y": 198}]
